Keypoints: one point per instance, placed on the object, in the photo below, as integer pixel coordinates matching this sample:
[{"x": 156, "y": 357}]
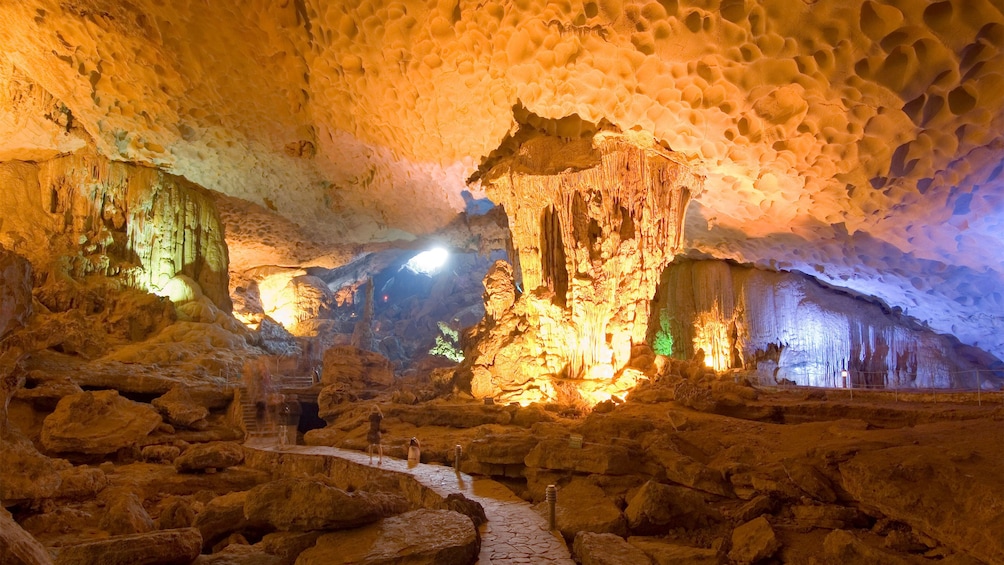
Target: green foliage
[
  {"x": 663, "y": 343},
  {"x": 448, "y": 343}
]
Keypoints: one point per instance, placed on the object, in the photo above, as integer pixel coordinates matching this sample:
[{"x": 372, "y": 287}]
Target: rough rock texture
[
  {"x": 217, "y": 455},
  {"x": 841, "y": 546},
  {"x": 124, "y": 513},
  {"x": 558, "y": 454},
  {"x": 583, "y": 507},
  {"x": 753, "y": 541},
  {"x": 356, "y": 368},
  {"x": 15, "y": 291},
  {"x": 83, "y": 214},
  {"x": 97, "y": 423},
  {"x": 792, "y": 329},
  {"x": 179, "y": 409},
  {"x": 656, "y": 508},
  {"x": 18, "y": 547},
  {"x": 303, "y": 504},
  {"x": 222, "y": 516},
  {"x": 164, "y": 547},
  {"x": 953, "y": 504},
  {"x": 662, "y": 552},
  {"x": 594, "y": 221},
  {"x": 607, "y": 549},
  {"x": 420, "y": 537},
  {"x": 856, "y": 140}
]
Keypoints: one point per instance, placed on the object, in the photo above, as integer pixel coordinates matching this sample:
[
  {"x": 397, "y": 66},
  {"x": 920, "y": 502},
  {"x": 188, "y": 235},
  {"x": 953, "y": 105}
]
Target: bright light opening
[{"x": 428, "y": 262}]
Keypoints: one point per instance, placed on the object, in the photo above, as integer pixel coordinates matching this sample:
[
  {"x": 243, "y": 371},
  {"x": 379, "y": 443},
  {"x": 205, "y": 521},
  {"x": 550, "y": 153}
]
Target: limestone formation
[
  {"x": 594, "y": 222},
  {"x": 583, "y": 507},
  {"x": 179, "y": 409},
  {"x": 791, "y": 329},
  {"x": 214, "y": 456},
  {"x": 97, "y": 423},
  {"x": 656, "y": 507},
  {"x": 164, "y": 547},
  {"x": 753, "y": 541},
  {"x": 15, "y": 291},
  {"x": 18, "y": 547},
  {"x": 607, "y": 549},
  {"x": 422, "y": 537},
  {"x": 302, "y": 505},
  {"x": 664, "y": 553},
  {"x": 356, "y": 368},
  {"x": 84, "y": 214}
]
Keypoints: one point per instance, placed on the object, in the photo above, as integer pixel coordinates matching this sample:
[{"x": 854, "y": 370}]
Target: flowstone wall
[
  {"x": 788, "y": 326},
  {"x": 82, "y": 214}
]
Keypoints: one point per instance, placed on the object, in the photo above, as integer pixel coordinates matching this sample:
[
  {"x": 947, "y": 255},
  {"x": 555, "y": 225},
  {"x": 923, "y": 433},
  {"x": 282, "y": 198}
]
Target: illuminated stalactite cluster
[
  {"x": 83, "y": 214},
  {"x": 594, "y": 222},
  {"x": 788, "y": 327}
]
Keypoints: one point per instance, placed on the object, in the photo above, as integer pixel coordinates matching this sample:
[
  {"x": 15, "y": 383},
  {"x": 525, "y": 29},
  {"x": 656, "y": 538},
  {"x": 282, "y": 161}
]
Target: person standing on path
[{"x": 373, "y": 436}]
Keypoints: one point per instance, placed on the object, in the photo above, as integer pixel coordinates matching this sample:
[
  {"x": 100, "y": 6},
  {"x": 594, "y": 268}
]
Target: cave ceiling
[{"x": 860, "y": 142}]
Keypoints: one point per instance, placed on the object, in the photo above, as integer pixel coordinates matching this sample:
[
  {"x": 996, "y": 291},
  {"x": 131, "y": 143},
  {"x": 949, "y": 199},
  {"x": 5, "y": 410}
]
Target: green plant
[
  {"x": 663, "y": 342},
  {"x": 447, "y": 343}
]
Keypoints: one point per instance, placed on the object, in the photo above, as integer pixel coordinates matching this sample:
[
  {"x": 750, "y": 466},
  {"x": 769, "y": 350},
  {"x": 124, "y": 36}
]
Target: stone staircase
[{"x": 262, "y": 430}]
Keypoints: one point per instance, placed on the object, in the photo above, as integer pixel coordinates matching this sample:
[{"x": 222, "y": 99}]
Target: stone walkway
[{"x": 515, "y": 533}]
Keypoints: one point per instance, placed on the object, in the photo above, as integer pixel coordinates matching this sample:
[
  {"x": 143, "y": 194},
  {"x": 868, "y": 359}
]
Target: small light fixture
[{"x": 843, "y": 375}]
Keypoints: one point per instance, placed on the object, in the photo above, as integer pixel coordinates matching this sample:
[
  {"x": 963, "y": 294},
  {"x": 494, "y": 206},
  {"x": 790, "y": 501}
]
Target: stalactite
[{"x": 593, "y": 223}]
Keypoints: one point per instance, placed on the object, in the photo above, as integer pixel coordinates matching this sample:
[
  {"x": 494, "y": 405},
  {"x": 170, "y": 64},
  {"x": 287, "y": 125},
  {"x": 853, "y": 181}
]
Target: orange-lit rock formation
[
  {"x": 595, "y": 220},
  {"x": 859, "y": 142}
]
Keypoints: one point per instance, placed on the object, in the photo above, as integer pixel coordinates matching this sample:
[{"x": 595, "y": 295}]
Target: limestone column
[{"x": 594, "y": 222}]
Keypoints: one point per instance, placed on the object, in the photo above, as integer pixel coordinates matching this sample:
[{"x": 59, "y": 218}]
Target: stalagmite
[{"x": 594, "y": 222}]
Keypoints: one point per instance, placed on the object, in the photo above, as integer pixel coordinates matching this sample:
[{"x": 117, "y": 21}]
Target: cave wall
[
  {"x": 788, "y": 326},
  {"x": 82, "y": 214},
  {"x": 15, "y": 291}
]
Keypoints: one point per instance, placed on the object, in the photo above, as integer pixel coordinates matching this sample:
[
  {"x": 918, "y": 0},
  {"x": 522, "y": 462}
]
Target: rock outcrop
[
  {"x": 15, "y": 291},
  {"x": 302, "y": 505},
  {"x": 422, "y": 537},
  {"x": 594, "y": 220},
  {"x": 97, "y": 423}
]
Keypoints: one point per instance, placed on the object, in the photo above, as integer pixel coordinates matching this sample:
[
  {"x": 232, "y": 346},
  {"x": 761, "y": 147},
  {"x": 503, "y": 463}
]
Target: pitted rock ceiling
[{"x": 861, "y": 142}]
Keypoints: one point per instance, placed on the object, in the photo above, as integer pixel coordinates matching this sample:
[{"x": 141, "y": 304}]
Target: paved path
[{"x": 515, "y": 533}]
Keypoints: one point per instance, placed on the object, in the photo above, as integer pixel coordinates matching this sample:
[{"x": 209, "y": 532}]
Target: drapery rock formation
[
  {"x": 792, "y": 329},
  {"x": 594, "y": 220},
  {"x": 82, "y": 214},
  {"x": 15, "y": 291}
]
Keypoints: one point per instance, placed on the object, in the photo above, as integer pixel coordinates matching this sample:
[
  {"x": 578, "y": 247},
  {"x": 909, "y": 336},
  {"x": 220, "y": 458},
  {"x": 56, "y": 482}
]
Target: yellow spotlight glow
[{"x": 711, "y": 333}]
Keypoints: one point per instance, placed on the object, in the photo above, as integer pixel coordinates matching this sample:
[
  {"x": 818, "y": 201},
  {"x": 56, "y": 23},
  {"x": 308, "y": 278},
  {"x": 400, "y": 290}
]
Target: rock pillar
[{"x": 594, "y": 222}]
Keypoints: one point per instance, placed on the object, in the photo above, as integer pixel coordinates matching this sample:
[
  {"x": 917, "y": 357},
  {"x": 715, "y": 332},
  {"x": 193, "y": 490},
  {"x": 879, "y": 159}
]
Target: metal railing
[{"x": 853, "y": 384}]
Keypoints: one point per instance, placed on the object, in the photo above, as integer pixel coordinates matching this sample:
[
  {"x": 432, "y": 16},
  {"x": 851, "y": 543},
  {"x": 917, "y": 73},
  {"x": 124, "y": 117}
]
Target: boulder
[
  {"x": 470, "y": 508},
  {"x": 583, "y": 507},
  {"x": 288, "y": 545},
  {"x": 237, "y": 554},
  {"x": 216, "y": 455},
  {"x": 944, "y": 494},
  {"x": 607, "y": 549},
  {"x": 163, "y": 547},
  {"x": 810, "y": 481},
  {"x": 756, "y": 507},
  {"x": 558, "y": 454},
  {"x": 223, "y": 516},
  {"x": 753, "y": 541},
  {"x": 179, "y": 409},
  {"x": 160, "y": 453},
  {"x": 419, "y": 537},
  {"x": 97, "y": 423},
  {"x": 18, "y": 547},
  {"x": 357, "y": 368},
  {"x": 843, "y": 547},
  {"x": 82, "y": 482},
  {"x": 27, "y": 474},
  {"x": 176, "y": 513},
  {"x": 662, "y": 552},
  {"x": 493, "y": 453},
  {"x": 657, "y": 507},
  {"x": 683, "y": 470},
  {"x": 827, "y": 516},
  {"x": 295, "y": 504},
  {"x": 124, "y": 513}
]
